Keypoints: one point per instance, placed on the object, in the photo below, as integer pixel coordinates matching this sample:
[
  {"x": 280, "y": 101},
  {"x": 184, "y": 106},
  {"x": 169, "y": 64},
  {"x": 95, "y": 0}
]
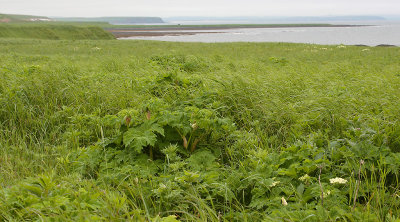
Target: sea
[{"x": 370, "y": 33}]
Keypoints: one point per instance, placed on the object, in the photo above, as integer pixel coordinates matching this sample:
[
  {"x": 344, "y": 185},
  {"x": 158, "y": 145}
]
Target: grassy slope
[
  {"x": 19, "y": 18},
  {"x": 114, "y": 19},
  {"x": 284, "y": 94},
  {"x": 50, "y": 31}
]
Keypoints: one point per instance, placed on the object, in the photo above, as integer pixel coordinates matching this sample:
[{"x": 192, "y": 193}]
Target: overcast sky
[{"x": 167, "y": 8}]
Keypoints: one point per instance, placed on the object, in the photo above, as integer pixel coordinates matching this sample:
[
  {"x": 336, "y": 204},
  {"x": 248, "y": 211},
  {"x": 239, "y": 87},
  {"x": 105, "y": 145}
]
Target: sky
[{"x": 212, "y": 8}]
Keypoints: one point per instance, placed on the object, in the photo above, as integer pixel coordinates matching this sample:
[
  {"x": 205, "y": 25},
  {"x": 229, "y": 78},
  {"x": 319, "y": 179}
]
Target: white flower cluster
[
  {"x": 305, "y": 178},
  {"x": 274, "y": 183},
  {"x": 338, "y": 180},
  {"x": 327, "y": 193},
  {"x": 194, "y": 126}
]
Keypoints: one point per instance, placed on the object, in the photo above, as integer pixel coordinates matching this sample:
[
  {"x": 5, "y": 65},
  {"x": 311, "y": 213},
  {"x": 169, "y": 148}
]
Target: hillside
[
  {"x": 48, "y": 31},
  {"x": 114, "y": 20},
  {"x": 22, "y": 18}
]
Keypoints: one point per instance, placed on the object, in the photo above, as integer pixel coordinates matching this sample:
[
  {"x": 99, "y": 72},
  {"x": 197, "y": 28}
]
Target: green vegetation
[
  {"x": 53, "y": 31},
  {"x": 163, "y": 131},
  {"x": 20, "y": 18},
  {"x": 114, "y": 20}
]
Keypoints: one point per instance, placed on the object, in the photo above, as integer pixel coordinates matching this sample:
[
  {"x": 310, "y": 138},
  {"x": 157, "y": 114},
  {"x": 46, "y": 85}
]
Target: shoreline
[
  {"x": 127, "y": 34},
  {"x": 176, "y": 30}
]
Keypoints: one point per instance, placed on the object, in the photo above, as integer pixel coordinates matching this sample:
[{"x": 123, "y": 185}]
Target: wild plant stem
[
  {"x": 151, "y": 153},
  {"x": 358, "y": 184},
  {"x": 320, "y": 185}
]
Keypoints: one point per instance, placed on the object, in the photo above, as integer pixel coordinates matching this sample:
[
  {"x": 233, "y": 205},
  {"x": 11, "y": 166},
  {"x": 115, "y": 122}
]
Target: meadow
[
  {"x": 109, "y": 130},
  {"x": 54, "y": 31}
]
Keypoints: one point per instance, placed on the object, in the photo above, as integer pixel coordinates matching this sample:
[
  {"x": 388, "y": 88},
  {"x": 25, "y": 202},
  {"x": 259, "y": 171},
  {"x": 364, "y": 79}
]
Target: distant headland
[
  {"x": 112, "y": 20},
  {"x": 11, "y": 18}
]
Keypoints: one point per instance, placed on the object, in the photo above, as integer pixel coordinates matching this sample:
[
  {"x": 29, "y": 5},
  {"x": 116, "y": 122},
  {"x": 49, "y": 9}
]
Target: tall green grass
[{"x": 296, "y": 108}]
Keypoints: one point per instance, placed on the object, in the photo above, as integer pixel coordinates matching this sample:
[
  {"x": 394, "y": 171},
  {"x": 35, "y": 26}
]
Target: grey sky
[{"x": 166, "y": 8}]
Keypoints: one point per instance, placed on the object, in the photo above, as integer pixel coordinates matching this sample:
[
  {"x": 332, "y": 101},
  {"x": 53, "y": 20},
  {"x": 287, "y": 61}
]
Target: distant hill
[
  {"x": 114, "y": 20},
  {"x": 21, "y": 18}
]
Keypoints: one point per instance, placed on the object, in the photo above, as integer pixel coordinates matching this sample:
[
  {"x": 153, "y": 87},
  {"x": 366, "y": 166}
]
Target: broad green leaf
[{"x": 143, "y": 135}]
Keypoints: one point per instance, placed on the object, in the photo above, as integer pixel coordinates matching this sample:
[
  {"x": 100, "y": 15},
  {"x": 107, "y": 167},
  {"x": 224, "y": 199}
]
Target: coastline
[{"x": 176, "y": 30}]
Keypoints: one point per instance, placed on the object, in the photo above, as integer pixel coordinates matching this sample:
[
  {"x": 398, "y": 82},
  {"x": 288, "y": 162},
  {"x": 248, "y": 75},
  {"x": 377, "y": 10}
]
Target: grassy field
[
  {"x": 71, "y": 31},
  {"x": 19, "y": 18},
  {"x": 163, "y": 131}
]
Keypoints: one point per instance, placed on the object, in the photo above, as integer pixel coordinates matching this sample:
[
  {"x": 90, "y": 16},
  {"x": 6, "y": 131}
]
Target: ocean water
[{"x": 375, "y": 34}]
